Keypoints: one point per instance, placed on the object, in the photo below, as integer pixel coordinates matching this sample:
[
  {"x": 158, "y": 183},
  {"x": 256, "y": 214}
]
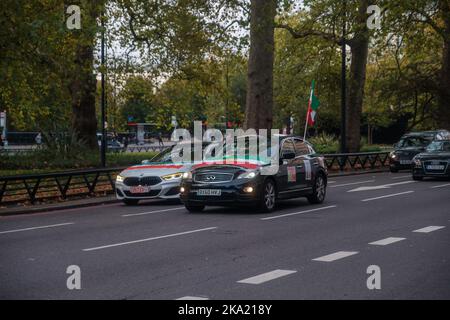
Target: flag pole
[{"x": 307, "y": 112}]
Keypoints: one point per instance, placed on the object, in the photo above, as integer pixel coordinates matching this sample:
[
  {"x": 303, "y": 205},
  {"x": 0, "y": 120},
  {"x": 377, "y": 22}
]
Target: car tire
[
  {"x": 319, "y": 190},
  {"x": 268, "y": 196},
  {"x": 417, "y": 178},
  {"x": 194, "y": 207},
  {"x": 130, "y": 202}
]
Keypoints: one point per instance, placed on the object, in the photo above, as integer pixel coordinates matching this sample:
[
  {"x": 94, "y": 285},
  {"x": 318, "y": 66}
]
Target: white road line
[
  {"x": 267, "y": 276},
  {"x": 192, "y": 298},
  {"x": 149, "y": 239},
  {"x": 331, "y": 181},
  {"x": 429, "y": 229},
  {"x": 385, "y": 242},
  {"x": 401, "y": 177},
  {"x": 336, "y": 256},
  {"x": 441, "y": 186},
  {"x": 295, "y": 213},
  {"x": 351, "y": 184},
  {"x": 35, "y": 228},
  {"x": 387, "y": 196},
  {"x": 150, "y": 212}
]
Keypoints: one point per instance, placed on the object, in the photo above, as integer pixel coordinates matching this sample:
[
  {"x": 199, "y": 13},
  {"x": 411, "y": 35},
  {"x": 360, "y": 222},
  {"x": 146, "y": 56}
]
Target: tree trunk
[
  {"x": 443, "y": 114},
  {"x": 357, "y": 81},
  {"x": 83, "y": 83},
  {"x": 259, "y": 101}
]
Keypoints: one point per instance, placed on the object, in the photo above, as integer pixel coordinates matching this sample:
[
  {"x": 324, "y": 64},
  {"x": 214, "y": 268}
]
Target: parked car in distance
[
  {"x": 434, "y": 162},
  {"x": 412, "y": 144}
]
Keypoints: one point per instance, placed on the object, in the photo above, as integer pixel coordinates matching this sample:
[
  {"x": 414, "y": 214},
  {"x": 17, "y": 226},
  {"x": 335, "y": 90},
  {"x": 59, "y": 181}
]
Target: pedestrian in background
[
  {"x": 38, "y": 140},
  {"x": 160, "y": 140}
]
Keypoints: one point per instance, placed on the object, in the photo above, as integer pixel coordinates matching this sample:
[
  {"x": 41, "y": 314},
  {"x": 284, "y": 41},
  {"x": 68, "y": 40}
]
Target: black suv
[
  {"x": 412, "y": 144},
  {"x": 301, "y": 173}
]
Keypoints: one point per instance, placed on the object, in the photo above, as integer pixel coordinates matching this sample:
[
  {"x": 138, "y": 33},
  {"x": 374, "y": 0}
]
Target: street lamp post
[
  {"x": 344, "y": 80},
  {"x": 103, "y": 103}
]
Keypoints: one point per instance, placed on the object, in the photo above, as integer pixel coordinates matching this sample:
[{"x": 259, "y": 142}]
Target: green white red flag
[{"x": 313, "y": 106}]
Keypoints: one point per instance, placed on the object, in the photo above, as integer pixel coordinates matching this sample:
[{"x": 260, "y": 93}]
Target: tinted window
[
  {"x": 414, "y": 142},
  {"x": 301, "y": 148},
  {"x": 288, "y": 147}
]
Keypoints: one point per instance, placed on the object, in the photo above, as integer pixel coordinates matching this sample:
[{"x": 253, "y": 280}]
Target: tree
[
  {"x": 330, "y": 14},
  {"x": 259, "y": 102}
]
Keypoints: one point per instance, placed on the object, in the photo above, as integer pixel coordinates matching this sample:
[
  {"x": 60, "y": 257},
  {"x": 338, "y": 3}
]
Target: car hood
[
  {"x": 230, "y": 166},
  {"x": 434, "y": 156},
  {"x": 409, "y": 150},
  {"x": 154, "y": 169}
]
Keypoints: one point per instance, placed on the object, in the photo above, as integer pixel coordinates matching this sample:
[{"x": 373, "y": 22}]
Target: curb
[{"x": 48, "y": 208}]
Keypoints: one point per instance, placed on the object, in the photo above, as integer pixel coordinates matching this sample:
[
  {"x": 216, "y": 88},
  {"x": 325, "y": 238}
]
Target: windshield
[
  {"x": 414, "y": 142},
  {"x": 439, "y": 146},
  {"x": 166, "y": 155}
]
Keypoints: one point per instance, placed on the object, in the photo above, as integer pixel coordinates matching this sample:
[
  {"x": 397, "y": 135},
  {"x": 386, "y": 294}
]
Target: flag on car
[{"x": 313, "y": 105}]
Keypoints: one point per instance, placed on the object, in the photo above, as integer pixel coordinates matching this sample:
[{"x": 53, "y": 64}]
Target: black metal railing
[
  {"x": 62, "y": 185},
  {"x": 357, "y": 161},
  {"x": 75, "y": 184}
]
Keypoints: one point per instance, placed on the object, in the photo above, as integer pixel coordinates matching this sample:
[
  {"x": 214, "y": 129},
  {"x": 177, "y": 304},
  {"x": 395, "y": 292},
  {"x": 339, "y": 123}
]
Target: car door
[
  {"x": 287, "y": 176},
  {"x": 303, "y": 163}
]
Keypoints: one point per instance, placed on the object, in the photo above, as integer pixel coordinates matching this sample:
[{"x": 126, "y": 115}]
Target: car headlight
[
  {"x": 248, "y": 175},
  {"x": 417, "y": 162},
  {"x": 119, "y": 178},
  {"x": 173, "y": 176},
  {"x": 393, "y": 155},
  {"x": 187, "y": 175}
]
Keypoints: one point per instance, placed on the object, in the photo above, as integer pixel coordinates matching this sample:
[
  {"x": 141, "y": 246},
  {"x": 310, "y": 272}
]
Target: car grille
[
  {"x": 213, "y": 177},
  {"x": 151, "y": 193},
  {"x": 439, "y": 163},
  {"x": 144, "y": 181}
]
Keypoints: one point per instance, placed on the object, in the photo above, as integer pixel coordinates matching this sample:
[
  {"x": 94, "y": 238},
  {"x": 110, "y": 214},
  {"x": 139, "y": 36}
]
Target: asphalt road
[{"x": 159, "y": 251}]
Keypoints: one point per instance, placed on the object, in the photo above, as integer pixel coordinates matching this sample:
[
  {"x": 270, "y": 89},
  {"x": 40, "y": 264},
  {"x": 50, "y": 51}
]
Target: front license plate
[
  {"x": 209, "y": 192},
  {"x": 405, "y": 162},
  {"x": 139, "y": 189},
  {"x": 435, "y": 167}
]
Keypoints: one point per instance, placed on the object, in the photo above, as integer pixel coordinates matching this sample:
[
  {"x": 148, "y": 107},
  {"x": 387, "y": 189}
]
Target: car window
[
  {"x": 446, "y": 146},
  {"x": 414, "y": 142},
  {"x": 301, "y": 148},
  {"x": 288, "y": 147}
]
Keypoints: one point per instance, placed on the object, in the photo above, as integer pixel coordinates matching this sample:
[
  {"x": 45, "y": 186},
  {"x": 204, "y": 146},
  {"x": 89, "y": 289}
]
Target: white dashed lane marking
[
  {"x": 429, "y": 229},
  {"x": 387, "y": 196},
  {"x": 385, "y": 242},
  {"x": 441, "y": 186},
  {"x": 149, "y": 239},
  {"x": 351, "y": 183},
  {"x": 296, "y": 213},
  {"x": 192, "y": 298},
  {"x": 35, "y": 228},
  {"x": 401, "y": 177},
  {"x": 150, "y": 212},
  {"x": 336, "y": 256},
  {"x": 275, "y": 274}
]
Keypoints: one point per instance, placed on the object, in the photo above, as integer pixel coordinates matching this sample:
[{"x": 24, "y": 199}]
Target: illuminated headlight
[
  {"x": 248, "y": 175},
  {"x": 119, "y": 178},
  {"x": 182, "y": 189},
  {"x": 417, "y": 162},
  {"x": 173, "y": 176},
  {"x": 393, "y": 155},
  {"x": 248, "y": 189},
  {"x": 187, "y": 175}
]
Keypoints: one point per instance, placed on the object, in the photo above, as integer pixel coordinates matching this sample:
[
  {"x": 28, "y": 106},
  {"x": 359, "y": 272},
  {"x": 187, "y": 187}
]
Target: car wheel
[
  {"x": 269, "y": 196},
  {"x": 130, "y": 202},
  {"x": 319, "y": 190},
  {"x": 417, "y": 178},
  {"x": 194, "y": 208}
]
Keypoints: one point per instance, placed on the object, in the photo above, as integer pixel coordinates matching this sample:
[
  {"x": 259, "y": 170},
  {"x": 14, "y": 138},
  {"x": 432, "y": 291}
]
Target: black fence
[{"x": 96, "y": 182}]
